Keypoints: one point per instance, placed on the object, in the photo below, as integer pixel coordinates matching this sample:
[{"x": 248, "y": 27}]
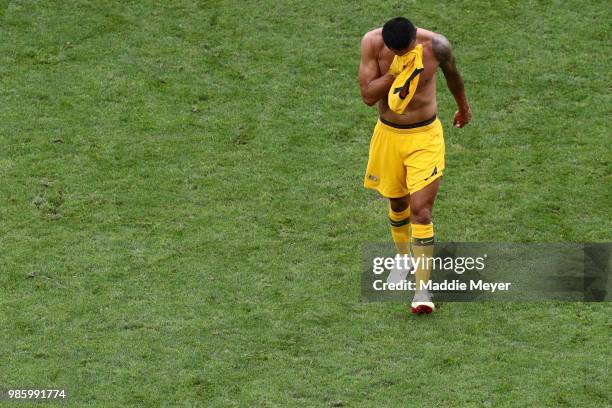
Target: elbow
[{"x": 368, "y": 101}]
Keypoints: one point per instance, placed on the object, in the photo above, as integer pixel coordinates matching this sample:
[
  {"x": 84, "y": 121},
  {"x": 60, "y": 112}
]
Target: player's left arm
[{"x": 444, "y": 54}]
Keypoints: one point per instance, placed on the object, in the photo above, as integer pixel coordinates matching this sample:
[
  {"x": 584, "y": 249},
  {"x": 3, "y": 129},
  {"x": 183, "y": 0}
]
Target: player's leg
[
  {"x": 424, "y": 166},
  {"x": 422, "y": 236},
  {"x": 386, "y": 173},
  {"x": 399, "y": 219}
]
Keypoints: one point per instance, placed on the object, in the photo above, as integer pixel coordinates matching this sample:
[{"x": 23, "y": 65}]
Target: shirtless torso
[{"x": 375, "y": 81}]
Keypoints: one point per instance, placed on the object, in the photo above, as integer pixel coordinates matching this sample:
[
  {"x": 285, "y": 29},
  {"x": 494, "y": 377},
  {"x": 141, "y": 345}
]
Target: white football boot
[{"x": 421, "y": 303}]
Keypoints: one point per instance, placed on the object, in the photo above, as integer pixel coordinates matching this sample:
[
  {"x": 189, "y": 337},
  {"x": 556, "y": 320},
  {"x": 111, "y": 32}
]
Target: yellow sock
[
  {"x": 422, "y": 247},
  {"x": 400, "y": 230}
]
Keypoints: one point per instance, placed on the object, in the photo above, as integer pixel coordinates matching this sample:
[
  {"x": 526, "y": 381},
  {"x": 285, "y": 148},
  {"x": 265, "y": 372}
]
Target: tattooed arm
[{"x": 444, "y": 54}]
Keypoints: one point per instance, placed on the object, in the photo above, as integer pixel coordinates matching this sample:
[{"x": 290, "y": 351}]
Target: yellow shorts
[{"x": 405, "y": 159}]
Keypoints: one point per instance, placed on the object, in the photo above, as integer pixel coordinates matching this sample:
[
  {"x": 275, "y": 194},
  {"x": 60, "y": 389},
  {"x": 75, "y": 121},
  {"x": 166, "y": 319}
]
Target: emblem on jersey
[{"x": 404, "y": 90}]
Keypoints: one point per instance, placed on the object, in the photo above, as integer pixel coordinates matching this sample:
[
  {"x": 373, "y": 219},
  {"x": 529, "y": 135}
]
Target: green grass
[{"x": 183, "y": 217}]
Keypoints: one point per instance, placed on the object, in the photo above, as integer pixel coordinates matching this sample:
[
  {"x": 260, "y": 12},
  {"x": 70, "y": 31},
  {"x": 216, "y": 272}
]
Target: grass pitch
[{"x": 182, "y": 210}]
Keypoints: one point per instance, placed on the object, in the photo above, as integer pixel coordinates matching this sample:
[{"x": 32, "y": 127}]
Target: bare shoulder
[
  {"x": 434, "y": 42},
  {"x": 373, "y": 35},
  {"x": 424, "y": 36},
  {"x": 372, "y": 41}
]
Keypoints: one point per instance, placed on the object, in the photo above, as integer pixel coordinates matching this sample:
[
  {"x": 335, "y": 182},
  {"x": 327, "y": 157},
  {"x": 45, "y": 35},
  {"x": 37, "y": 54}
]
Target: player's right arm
[{"x": 373, "y": 86}]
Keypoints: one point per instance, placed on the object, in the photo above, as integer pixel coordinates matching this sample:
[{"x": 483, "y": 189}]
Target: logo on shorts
[
  {"x": 372, "y": 177},
  {"x": 434, "y": 173}
]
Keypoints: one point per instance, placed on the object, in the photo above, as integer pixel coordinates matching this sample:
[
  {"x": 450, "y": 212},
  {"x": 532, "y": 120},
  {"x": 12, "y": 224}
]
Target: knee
[
  {"x": 420, "y": 215},
  {"x": 399, "y": 204}
]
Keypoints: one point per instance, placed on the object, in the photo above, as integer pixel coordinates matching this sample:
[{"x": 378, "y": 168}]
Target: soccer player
[{"x": 397, "y": 72}]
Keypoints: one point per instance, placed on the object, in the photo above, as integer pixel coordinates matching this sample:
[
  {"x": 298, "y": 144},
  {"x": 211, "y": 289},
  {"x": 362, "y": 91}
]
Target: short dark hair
[{"x": 398, "y": 33}]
